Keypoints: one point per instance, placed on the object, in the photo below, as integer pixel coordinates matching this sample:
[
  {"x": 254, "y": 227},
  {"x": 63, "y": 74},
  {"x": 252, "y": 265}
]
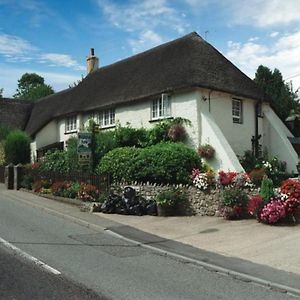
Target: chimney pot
[{"x": 92, "y": 52}]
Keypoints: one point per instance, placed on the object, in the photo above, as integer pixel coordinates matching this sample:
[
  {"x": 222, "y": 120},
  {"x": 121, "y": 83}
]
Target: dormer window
[
  {"x": 71, "y": 124},
  {"x": 161, "y": 107}
]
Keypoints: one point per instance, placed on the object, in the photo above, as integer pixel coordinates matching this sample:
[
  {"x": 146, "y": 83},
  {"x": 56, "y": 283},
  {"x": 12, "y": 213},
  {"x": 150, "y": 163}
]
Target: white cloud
[
  {"x": 264, "y": 13},
  {"x": 282, "y": 54},
  {"x": 253, "y": 39},
  {"x": 142, "y": 17},
  {"x": 274, "y": 34},
  {"x": 11, "y": 45},
  {"x": 60, "y": 60},
  {"x": 146, "y": 40}
]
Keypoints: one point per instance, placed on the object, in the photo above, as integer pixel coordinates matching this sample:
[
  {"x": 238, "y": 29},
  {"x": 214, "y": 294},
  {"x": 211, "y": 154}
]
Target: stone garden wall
[{"x": 203, "y": 203}]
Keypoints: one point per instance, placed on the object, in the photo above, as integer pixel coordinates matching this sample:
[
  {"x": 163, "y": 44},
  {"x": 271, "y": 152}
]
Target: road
[{"x": 93, "y": 261}]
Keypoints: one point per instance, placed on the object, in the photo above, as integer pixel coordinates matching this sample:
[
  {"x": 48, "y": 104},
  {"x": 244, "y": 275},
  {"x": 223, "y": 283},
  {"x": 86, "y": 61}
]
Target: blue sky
[{"x": 53, "y": 38}]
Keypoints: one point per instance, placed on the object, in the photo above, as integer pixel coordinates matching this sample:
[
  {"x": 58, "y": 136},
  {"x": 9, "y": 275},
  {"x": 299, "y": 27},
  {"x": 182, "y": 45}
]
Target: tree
[
  {"x": 1, "y": 93},
  {"x": 32, "y": 87},
  {"x": 283, "y": 99},
  {"x": 17, "y": 147}
]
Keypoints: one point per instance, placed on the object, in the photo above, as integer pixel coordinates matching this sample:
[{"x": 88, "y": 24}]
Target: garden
[{"x": 165, "y": 177}]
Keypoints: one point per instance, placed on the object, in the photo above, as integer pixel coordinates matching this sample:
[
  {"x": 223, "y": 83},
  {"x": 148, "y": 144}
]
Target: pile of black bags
[{"x": 129, "y": 204}]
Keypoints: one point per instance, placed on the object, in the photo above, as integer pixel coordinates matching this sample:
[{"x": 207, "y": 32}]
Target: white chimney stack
[{"x": 92, "y": 62}]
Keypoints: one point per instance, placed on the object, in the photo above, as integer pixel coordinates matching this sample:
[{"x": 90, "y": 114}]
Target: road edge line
[{"x": 29, "y": 257}]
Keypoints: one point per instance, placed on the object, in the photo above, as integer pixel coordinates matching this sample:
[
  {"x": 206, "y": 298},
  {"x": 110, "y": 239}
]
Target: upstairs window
[
  {"x": 105, "y": 118},
  {"x": 161, "y": 107},
  {"x": 237, "y": 111},
  {"x": 71, "y": 124}
]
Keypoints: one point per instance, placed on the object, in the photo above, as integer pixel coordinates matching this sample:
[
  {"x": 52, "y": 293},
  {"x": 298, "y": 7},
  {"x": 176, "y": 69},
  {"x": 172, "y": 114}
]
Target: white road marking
[{"x": 29, "y": 257}]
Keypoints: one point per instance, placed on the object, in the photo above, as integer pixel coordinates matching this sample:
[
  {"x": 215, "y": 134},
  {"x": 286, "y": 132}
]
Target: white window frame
[
  {"x": 161, "y": 107},
  {"x": 105, "y": 118},
  {"x": 71, "y": 124},
  {"x": 237, "y": 110}
]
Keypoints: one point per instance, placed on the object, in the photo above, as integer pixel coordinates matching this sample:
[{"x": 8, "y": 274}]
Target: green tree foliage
[
  {"x": 1, "y": 92},
  {"x": 17, "y": 147},
  {"x": 32, "y": 87},
  {"x": 282, "y": 95}
]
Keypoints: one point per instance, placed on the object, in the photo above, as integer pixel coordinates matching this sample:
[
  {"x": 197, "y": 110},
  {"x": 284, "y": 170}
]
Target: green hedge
[
  {"x": 120, "y": 163},
  {"x": 161, "y": 163},
  {"x": 17, "y": 147}
]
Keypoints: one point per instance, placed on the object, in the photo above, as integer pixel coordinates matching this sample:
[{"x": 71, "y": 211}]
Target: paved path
[{"x": 274, "y": 246}]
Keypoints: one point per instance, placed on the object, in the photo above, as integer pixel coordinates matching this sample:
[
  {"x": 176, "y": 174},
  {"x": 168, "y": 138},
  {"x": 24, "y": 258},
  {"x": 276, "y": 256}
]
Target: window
[
  {"x": 161, "y": 107},
  {"x": 71, "y": 124},
  {"x": 237, "y": 111},
  {"x": 105, "y": 118}
]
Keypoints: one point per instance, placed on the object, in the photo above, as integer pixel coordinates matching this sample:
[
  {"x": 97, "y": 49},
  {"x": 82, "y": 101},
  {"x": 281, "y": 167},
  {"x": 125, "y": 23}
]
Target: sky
[{"x": 53, "y": 38}]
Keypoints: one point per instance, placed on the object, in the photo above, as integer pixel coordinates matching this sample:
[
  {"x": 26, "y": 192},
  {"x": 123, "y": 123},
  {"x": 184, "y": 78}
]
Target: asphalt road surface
[{"x": 95, "y": 264}]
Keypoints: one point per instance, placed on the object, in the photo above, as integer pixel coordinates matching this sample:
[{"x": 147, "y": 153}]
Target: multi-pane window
[
  {"x": 161, "y": 107},
  {"x": 237, "y": 111},
  {"x": 71, "y": 124},
  {"x": 105, "y": 118}
]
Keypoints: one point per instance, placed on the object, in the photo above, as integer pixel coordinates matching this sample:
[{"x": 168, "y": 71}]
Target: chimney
[{"x": 92, "y": 62}]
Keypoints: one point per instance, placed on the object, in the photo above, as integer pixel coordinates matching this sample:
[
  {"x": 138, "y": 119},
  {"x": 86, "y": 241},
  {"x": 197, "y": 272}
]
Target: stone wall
[{"x": 199, "y": 202}]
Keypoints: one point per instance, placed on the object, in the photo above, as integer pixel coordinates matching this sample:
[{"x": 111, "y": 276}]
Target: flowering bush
[
  {"x": 242, "y": 180},
  {"x": 291, "y": 188},
  {"x": 58, "y": 188},
  {"x": 273, "y": 211},
  {"x": 203, "y": 180},
  {"x": 195, "y": 173},
  {"x": 87, "y": 192},
  {"x": 226, "y": 178},
  {"x": 39, "y": 185},
  {"x": 254, "y": 205}
]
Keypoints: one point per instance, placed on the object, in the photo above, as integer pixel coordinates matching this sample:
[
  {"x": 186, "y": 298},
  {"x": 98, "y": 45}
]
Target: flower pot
[{"x": 166, "y": 210}]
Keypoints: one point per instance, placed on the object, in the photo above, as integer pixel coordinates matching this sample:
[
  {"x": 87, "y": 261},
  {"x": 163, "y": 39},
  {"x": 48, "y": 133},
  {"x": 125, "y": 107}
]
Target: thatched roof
[
  {"x": 14, "y": 113},
  {"x": 183, "y": 63}
]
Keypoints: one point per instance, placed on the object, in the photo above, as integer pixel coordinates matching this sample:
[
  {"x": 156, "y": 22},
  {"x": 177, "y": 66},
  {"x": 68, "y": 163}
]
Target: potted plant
[
  {"x": 206, "y": 151},
  {"x": 167, "y": 202}
]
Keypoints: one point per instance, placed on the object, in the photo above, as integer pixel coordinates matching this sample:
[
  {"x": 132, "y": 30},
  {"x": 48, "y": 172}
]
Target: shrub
[
  {"x": 206, "y": 151},
  {"x": 203, "y": 181},
  {"x": 129, "y": 137},
  {"x": 87, "y": 192},
  {"x": 273, "y": 211},
  {"x": 56, "y": 161},
  {"x": 291, "y": 188},
  {"x": 166, "y": 163},
  {"x": 226, "y": 178},
  {"x": 72, "y": 155},
  {"x": 255, "y": 205},
  {"x": 104, "y": 142},
  {"x": 38, "y": 185},
  {"x": 119, "y": 163},
  {"x": 266, "y": 190},
  {"x": 234, "y": 203},
  {"x": 58, "y": 188},
  {"x": 27, "y": 182},
  {"x": 17, "y": 147},
  {"x": 170, "y": 197},
  {"x": 233, "y": 196}
]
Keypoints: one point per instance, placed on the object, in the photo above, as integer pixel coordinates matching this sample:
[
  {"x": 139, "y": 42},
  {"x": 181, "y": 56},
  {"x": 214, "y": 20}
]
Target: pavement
[{"x": 245, "y": 249}]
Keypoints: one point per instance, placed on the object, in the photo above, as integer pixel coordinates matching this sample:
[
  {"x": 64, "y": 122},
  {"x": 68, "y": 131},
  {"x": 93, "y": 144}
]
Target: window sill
[
  {"x": 70, "y": 132},
  {"x": 160, "y": 119},
  {"x": 107, "y": 127}
]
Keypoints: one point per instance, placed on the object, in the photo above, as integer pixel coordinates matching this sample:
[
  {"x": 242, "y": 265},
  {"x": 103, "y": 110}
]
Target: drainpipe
[{"x": 257, "y": 136}]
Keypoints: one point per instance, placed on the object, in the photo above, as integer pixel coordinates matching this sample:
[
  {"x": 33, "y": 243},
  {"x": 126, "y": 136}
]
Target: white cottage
[{"x": 185, "y": 78}]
